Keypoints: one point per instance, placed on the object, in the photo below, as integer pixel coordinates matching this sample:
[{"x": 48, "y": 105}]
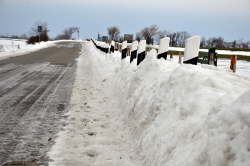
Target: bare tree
[
  {"x": 177, "y": 39},
  {"x": 39, "y": 32},
  {"x": 216, "y": 42},
  {"x": 161, "y": 34},
  {"x": 34, "y": 28},
  {"x": 172, "y": 37},
  {"x": 67, "y": 33},
  {"x": 113, "y": 33},
  {"x": 149, "y": 33},
  {"x": 203, "y": 42},
  {"x": 138, "y": 36},
  {"x": 248, "y": 44},
  {"x": 234, "y": 44},
  {"x": 220, "y": 42},
  {"x": 182, "y": 37}
]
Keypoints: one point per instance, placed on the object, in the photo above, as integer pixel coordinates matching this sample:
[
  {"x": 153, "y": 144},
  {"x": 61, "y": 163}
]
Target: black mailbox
[{"x": 212, "y": 56}]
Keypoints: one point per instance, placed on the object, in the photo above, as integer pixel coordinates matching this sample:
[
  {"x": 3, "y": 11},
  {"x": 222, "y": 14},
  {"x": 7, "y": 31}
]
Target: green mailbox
[
  {"x": 202, "y": 58},
  {"x": 209, "y": 58}
]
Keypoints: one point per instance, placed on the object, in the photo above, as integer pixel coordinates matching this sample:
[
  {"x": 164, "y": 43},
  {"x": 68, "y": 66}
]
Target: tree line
[
  {"x": 38, "y": 35},
  {"x": 152, "y": 34}
]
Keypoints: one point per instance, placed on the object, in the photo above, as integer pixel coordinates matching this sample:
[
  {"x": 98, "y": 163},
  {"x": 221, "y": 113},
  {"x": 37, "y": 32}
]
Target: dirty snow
[{"x": 160, "y": 113}]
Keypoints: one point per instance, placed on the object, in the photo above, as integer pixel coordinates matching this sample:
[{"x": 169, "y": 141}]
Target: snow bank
[
  {"x": 92, "y": 136},
  {"x": 102, "y": 44},
  {"x": 185, "y": 114},
  {"x": 160, "y": 113}
]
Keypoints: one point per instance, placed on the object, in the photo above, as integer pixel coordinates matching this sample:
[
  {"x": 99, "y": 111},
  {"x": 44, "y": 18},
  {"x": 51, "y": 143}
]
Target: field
[{"x": 11, "y": 44}]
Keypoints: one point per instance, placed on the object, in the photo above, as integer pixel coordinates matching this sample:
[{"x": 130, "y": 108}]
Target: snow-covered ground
[
  {"x": 160, "y": 113},
  {"x": 222, "y": 52},
  {"x": 242, "y": 67},
  {"x": 102, "y": 44},
  {"x": 28, "y": 48},
  {"x": 11, "y": 44}
]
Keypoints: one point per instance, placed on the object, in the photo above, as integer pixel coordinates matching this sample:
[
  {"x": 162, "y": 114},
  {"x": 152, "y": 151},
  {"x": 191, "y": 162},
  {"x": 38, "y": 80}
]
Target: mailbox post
[
  {"x": 233, "y": 63},
  {"x": 212, "y": 56}
]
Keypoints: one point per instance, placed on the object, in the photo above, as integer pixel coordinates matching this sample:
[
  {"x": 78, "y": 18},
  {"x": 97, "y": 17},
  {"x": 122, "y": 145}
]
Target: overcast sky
[{"x": 226, "y": 18}]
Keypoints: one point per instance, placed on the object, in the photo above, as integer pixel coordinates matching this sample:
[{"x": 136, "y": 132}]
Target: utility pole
[
  {"x": 78, "y": 31},
  {"x": 39, "y": 30}
]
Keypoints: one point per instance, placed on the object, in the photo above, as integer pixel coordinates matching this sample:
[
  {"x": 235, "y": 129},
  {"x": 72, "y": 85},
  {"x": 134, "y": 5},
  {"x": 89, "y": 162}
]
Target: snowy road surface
[
  {"x": 112, "y": 113},
  {"x": 35, "y": 89}
]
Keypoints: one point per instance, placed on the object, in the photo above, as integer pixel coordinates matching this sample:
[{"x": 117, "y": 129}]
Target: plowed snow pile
[{"x": 158, "y": 114}]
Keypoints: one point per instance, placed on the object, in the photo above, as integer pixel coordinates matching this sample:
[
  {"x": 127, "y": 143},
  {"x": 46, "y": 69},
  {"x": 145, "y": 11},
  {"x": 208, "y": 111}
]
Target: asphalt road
[{"x": 35, "y": 91}]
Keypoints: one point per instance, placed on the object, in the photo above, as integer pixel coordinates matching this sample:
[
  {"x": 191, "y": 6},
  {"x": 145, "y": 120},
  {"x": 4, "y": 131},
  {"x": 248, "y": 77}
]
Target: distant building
[
  {"x": 129, "y": 38},
  {"x": 102, "y": 38},
  {"x": 98, "y": 37},
  {"x": 105, "y": 38}
]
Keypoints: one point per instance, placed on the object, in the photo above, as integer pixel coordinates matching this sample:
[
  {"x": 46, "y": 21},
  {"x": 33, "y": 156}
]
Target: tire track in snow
[
  {"x": 20, "y": 109},
  {"x": 34, "y": 98}
]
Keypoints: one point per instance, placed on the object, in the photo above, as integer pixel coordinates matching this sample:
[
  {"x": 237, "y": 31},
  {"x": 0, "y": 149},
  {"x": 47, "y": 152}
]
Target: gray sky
[{"x": 209, "y": 18}]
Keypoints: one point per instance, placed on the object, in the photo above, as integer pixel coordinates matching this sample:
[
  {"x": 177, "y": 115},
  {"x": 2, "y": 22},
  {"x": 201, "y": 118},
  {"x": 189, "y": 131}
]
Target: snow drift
[
  {"x": 163, "y": 112},
  {"x": 185, "y": 114}
]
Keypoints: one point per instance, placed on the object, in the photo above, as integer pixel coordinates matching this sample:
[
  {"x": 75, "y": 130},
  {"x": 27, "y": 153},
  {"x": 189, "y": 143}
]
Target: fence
[{"x": 191, "y": 52}]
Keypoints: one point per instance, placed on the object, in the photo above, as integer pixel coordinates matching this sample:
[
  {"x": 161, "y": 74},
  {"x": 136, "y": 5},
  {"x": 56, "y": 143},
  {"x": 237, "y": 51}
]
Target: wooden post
[
  {"x": 171, "y": 56},
  {"x": 128, "y": 52},
  {"x": 211, "y": 59},
  {"x": 180, "y": 58},
  {"x": 233, "y": 63}
]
